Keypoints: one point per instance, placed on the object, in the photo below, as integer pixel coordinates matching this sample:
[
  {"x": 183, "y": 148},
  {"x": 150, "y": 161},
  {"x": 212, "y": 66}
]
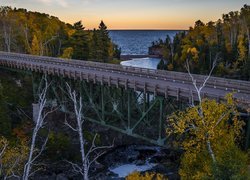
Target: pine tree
[
  {"x": 105, "y": 41},
  {"x": 79, "y": 42}
]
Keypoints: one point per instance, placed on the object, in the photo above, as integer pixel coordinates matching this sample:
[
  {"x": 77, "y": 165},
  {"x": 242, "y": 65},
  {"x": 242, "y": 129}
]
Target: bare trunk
[
  {"x": 234, "y": 36},
  {"x": 39, "y": 124},
  {"x": 78, "y": 113},
  {"x": 7, "y": 37},
  {"x": 84, "y": 163},
  {"x": 25, "y": 29},
  {"x": 43, "y": 46},
  {"x": 28, "y": 164},
  {"x": 85, "y": 155},
  {"x": 210, "y": 151},
  {"x": 244, "y": 23},
  {"x": 172, "y": 52},
  {"x": 200, "y": 110},
  {"x": 59, "y": 47},
  {"x": 86, "y": 172},
  {"x": 248, "y": 37},
  {"x": 41, "y": 49},
  {"x": 231, "y": 37}
]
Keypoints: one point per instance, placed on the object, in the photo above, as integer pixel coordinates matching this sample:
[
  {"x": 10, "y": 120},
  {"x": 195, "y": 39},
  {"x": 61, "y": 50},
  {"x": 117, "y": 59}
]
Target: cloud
[{"x": 62, "y": 3}]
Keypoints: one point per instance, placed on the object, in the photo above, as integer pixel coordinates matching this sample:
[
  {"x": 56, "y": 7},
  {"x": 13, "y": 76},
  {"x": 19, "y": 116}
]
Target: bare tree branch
[
  {"x": 75, "y": 167},
  {"x": 85, "y": 155},
  {"x": 41, "y": 150},
  {"x": 221, "y": 118},
  {"x": 38, "y": 124},
  {"x": 200, "y": 110},
  {"x": 67, "y": 124},
  {"x": 194, "y": 81},
  {"x": 3, "y": 149}
]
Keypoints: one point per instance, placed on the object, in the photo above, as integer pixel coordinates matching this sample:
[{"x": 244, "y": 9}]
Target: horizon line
[{"x": 147, "y": 29}]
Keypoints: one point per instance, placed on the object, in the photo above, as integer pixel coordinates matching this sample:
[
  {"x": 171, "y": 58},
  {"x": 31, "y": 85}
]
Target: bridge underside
[{"x": 134, "y": 113}]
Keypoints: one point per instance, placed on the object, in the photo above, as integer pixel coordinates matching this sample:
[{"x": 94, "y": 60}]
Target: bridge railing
[
  {"x": 79, "y": 73},
  {"x": 214, "y": 82}
]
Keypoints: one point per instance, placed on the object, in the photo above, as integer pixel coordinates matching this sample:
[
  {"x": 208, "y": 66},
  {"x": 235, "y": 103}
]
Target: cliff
[{"x": 155, "y": 50}]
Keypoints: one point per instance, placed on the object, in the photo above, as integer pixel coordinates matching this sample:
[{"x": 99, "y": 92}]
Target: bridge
[{"x": 149, "y": 90}]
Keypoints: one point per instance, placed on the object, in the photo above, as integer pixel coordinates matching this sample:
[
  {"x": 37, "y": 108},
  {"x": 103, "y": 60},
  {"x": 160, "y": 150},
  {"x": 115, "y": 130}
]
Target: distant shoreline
[
  {"x": 147, "y": 29},
  {"x": 129, "y": 57}
]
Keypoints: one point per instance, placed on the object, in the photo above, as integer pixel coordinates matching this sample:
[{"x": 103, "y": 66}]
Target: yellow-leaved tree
[
  {"x": 12, "y": 159},
  {"x": 67, "y": 53},
  {"x": 147, "y": 176},
  {"x": 208, "y": 133}
]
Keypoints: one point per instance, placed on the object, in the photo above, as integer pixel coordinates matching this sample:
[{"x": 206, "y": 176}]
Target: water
[
  {"x": 126, "y": 169},
  {"x": 136, "y": 42},
  {"x": 150, "y": 63},
  {"x": 132, "y": 158}
]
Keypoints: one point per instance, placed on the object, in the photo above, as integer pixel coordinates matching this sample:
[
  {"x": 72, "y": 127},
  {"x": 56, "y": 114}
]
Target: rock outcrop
[{"x": 155, "y": 50}]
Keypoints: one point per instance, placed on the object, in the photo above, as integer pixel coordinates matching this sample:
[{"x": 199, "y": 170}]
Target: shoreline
[{"x": 129, "y": 57}]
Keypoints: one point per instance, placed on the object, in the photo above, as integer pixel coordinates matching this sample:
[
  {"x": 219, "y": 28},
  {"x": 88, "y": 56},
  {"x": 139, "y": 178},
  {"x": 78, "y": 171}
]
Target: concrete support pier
[{"x": 35, "y": 108}]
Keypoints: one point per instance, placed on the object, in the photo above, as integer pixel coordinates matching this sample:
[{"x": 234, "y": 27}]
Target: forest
[
  {"x": 208, "y": 134},
  {"x": 229, "y": 38},
  {"x": 41, "y": 34}
]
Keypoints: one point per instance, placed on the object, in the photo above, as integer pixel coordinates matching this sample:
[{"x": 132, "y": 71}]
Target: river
[{"x": 150, "y": 63}]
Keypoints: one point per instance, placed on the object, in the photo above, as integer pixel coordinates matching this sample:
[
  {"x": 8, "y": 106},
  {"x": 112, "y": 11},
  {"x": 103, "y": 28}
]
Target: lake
[{"x": 136, "y": 42}]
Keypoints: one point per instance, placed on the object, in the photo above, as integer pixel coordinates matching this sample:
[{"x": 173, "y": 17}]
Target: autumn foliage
[
  {"x": 219, "y": 125},
  {"x": 228, "y": 36},
  {"x": 147, "y": 176},
  {"x": 12, "y": 158}
]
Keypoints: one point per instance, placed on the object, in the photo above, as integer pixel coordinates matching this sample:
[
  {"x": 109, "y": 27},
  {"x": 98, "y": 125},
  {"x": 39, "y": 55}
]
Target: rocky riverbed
[
  {"x": 124, "y": 160},
  {"x": 119, "y": 162}
]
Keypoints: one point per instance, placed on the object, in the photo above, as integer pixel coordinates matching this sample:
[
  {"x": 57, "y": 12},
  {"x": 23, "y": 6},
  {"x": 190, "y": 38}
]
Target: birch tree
[
  {"x": 205, "y": 132},
  {"x": 3, "y": 147},
  {"x": 39, "y": 123},
  {"x": 245, "y": 20},
  {"x": 6, "y": 27},
  {"x": 12, "y": 158},
  {"x": 200, "y": 108},
  {"x": 88, "y": 157}
]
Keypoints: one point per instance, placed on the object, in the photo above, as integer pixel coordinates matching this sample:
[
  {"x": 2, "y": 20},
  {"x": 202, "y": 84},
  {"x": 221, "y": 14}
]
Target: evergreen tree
[
  {"x": 161, "y": 65},
  {"x": 104, "y": 41},
  {"x": 80, "y": 43},
  {"x": 96, "y": 49},
  {"x": 229, "y": 38},
  {"x": 41, "y": 34}
]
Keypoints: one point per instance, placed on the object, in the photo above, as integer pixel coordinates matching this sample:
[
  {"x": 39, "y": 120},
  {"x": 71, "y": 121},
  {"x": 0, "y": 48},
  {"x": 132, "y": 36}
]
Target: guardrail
[
  {"x": 213, "y": 82},
  {"x": 66, "y": 68}
]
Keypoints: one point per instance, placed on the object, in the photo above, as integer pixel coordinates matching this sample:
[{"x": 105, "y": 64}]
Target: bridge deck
[{"x": 159, "y": 82}]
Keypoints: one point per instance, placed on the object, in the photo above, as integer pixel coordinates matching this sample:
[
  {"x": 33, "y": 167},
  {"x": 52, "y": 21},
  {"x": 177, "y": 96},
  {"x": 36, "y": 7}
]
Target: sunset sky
[{"x": 132, "y": 14}]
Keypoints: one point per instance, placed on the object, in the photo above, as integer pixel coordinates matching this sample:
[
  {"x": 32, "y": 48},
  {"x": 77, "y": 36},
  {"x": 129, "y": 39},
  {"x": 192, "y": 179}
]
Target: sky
[{"x": 132, "y": 14}]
